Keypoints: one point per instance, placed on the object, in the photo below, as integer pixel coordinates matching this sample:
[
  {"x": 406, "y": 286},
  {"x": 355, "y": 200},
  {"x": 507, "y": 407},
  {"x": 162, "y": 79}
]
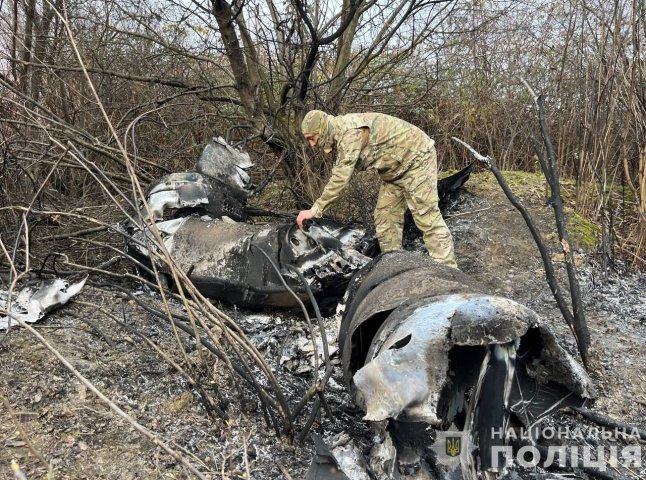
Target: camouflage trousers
[{"x": 417, "y": 189}]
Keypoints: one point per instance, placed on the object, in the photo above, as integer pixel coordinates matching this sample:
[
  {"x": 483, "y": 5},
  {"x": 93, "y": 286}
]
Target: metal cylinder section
[{"x": 415, "y": 334}]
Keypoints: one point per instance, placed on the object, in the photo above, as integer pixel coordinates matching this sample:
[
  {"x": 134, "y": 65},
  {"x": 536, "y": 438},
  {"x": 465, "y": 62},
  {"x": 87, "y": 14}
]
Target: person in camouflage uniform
[{"x": 405, "y": 159}]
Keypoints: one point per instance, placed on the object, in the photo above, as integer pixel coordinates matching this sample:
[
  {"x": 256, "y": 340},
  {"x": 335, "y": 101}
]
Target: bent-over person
[{"x": 406, "y": 161}]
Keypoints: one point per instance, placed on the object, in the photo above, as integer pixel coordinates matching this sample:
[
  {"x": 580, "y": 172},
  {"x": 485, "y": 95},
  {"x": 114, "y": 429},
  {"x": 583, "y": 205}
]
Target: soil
[{"x": 81, "y": 438}]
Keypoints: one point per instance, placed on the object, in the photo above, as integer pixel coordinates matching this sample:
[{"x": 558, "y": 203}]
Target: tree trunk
[
  {"x": 344, "y": 50},
  {"x": 222, "y": 12},
  {"x": 27, "y": 39}
]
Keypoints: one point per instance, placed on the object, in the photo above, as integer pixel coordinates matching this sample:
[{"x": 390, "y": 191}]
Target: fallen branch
[
  {"x": 550, "y": 170},
  {"x": 605, "y": 421},
  {"x": 210, "y": 405},
  {"x": 78, "y": 233},
  {"x": 550, "y": 275},
  {"x": 315, "y": 388},
  {"x": 25, "y": 437}
]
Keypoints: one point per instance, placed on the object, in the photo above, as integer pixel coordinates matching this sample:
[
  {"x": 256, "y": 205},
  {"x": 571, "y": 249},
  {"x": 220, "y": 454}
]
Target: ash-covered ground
[{"x": 82, "y": 438}]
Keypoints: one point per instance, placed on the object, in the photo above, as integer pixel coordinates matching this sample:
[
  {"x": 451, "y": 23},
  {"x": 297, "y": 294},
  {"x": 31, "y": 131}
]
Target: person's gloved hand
[{"x": 302, "y": 216}]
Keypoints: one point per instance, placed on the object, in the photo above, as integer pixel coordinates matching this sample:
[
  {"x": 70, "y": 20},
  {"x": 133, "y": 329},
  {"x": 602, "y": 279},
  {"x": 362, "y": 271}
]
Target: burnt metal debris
[
  {"x": 201, "y": 215},
  {"x": 423, "y": 348},
  {"x": 32, "y": 303}
]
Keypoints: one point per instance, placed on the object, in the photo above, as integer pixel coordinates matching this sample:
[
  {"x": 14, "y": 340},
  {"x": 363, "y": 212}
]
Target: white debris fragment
[
  {"x": 298, "y": 352},
  {"x": 350, "y": 459},
  {"x": 383, "y": 458},
  {"x": 260, "y": 319},
  {"x": 307, "y": 347},
  {"x": 32, "y": 303}
]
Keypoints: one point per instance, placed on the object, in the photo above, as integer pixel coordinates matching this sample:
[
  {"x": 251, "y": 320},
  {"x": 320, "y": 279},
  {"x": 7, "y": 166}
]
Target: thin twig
[{"x": 34, "y": 451}]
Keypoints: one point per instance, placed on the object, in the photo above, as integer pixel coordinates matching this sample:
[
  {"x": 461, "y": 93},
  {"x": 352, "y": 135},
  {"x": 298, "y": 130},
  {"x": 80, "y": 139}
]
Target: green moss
[
  {"x": 523, "y": 184},
  {"x": 531, "y": 189},
  {"x": 583, "y": 233}
]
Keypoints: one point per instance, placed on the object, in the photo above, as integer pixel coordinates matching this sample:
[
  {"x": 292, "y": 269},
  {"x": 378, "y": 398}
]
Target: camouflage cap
[{"x": 315, "y": 121}]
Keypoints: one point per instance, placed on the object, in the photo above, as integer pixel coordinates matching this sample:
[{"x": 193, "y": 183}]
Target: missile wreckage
[
  {"x": 423, "y": 348},
  {"x": 200, "y": 216}
]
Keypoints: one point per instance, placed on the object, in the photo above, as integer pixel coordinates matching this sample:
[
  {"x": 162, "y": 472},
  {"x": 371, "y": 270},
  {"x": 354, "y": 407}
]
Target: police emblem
[{"x": 453, "y": 446}]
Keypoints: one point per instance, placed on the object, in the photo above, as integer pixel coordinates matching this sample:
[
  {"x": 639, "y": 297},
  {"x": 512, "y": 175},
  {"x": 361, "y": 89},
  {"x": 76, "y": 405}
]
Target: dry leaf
[{"x": 565, "y": 245}]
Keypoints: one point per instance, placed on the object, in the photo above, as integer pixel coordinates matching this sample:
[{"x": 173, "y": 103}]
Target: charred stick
[
  {"x": 547, "y": 261},
  {"x": 281, "y": 402},
  {"x": 326, "y": 351},
  {"x": 257, "y": 191},
  {"x": 34, "y": 451},
  {"x": 317, "y": 312},
  {"x": 179, "y": 320},
  {"x": 316, "y": 386},
  {"x": 210, "y": 405},
  {"x": 541, "y": 160},
  {"x": 75, "y": 234},
  {"x": 550, "y": 169},
  {"x": 326, "y": 406},
  {"x": 233, "y": 333},
  {"x": 284, "y": 471},
  {"x": 310, "y": 421},
  {"x": 94, "y": 328},
  {"x": 243, "y": 371},
  {"x": 606, "y": 421},
  {"x": 298, "y": 300}
]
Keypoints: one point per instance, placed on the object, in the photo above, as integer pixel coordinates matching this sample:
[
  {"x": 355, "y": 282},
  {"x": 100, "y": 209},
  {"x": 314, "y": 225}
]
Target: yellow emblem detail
[{"x": 453, "y": 445}]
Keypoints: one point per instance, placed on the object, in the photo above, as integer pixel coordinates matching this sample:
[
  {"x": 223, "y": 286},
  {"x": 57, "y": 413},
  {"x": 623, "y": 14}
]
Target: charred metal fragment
[
  {"x": 32, "y": 303},
  {"x": 226, "y": 163},
  {"x": 379, "y": 288},
  {"x": 179, "y": 194},
  {"x": 218, "y": 187},
  {"x": 197, "y": 214},
  {"x": 324, "y": 465},
  {"x": 448, "y": 187},
  {"x": 225, "y": 263},
  {"x": 421, "y": 345}
]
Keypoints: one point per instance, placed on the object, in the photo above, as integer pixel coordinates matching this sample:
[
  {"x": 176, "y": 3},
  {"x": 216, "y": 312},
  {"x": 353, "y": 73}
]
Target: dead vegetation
[
  {"x": 166, "y": 391},
  {"x": 86, "y": 122}
]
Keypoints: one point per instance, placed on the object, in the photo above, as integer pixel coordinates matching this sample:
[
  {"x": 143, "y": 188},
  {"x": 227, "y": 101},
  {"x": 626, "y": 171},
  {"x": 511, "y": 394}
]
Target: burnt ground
[{"x": 82, "y": 438}]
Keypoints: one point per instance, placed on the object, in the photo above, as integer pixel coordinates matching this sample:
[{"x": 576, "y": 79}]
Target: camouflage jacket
[{"x": 371, "y": 140}]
